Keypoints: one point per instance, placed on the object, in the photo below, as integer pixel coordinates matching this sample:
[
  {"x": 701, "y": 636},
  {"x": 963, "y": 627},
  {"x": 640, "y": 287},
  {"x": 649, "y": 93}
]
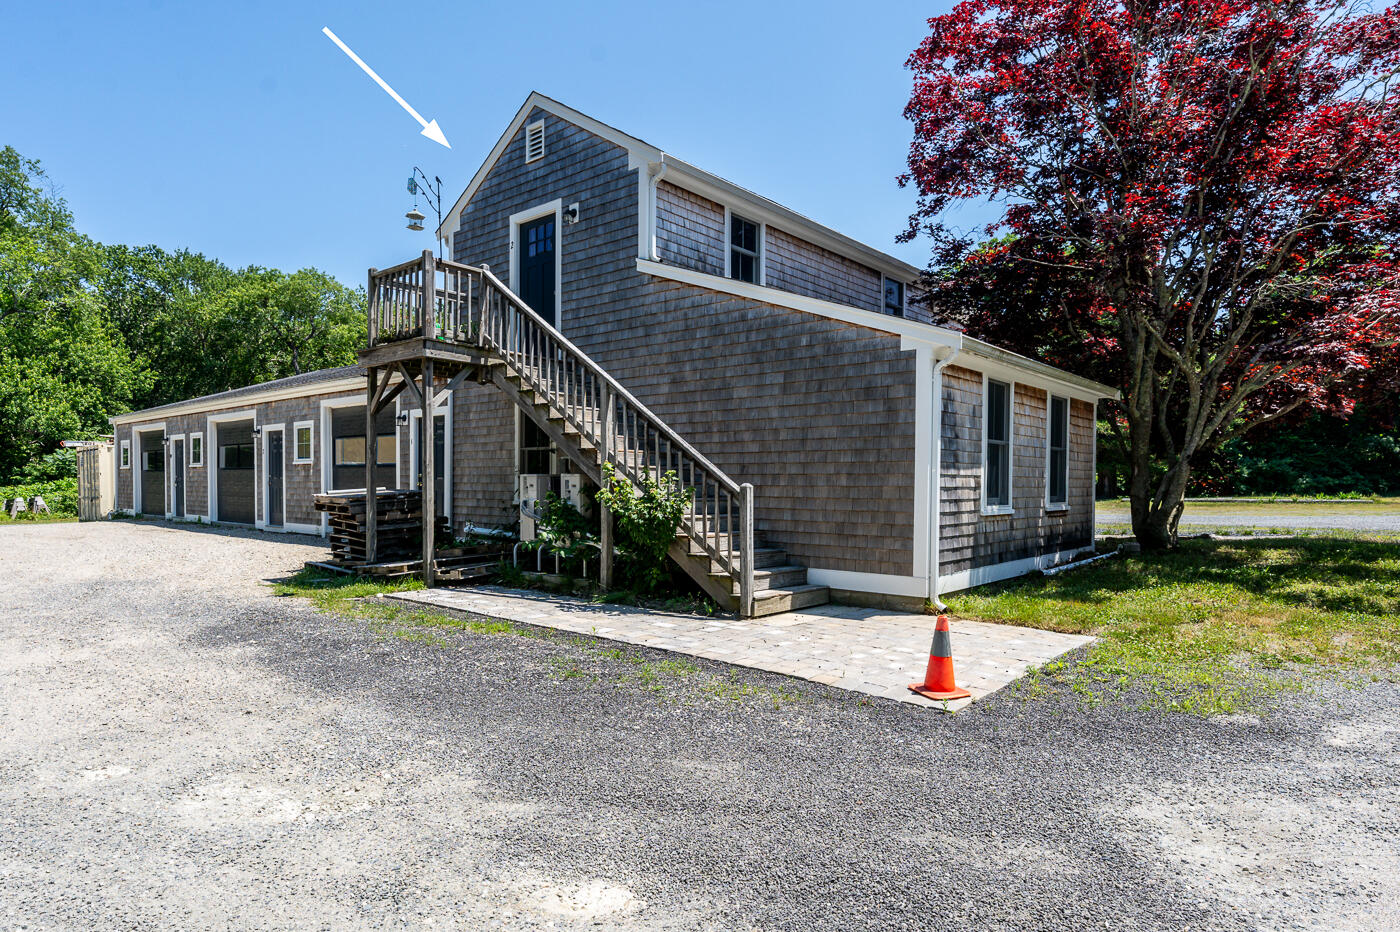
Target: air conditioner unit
[{"x": 532, "y": 488}]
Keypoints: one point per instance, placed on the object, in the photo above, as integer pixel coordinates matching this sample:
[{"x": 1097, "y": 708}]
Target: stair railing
[{"x": 440, "y": 299}]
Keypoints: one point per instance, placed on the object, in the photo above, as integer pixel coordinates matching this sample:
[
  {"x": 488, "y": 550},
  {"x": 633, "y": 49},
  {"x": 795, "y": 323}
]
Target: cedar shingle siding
[{"x": 820, "y": 415}]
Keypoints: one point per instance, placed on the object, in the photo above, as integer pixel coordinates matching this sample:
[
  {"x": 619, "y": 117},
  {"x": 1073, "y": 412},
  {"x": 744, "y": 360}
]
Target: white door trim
[
  {"x": 414, "y": 416},
  {"x": 184, "y": 476},
  {"x": 267, "y": 431},
  {"x": 211, "y": 430},
  {"x": 555, "y": 207}
]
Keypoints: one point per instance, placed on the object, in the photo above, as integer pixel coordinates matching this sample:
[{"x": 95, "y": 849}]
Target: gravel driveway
[
  {"x": 180, "y": 749},
  {"x": 1344, "y": 517}
]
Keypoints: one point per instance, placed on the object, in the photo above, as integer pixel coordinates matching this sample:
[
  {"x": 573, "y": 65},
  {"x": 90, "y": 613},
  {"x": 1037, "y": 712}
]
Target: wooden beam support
[
  {"x": 457, "y": 380},
  {"x": 387, "y": 396},
  {"x": 425, "y": 449},
  {"x": 371, "y": 460},
  {"x": 410, "y": 384},
  {"x": 605, "y": 519}
]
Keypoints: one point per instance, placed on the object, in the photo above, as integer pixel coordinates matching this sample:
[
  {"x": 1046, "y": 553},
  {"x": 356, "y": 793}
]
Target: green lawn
[{"x": 1209, "y": 626}]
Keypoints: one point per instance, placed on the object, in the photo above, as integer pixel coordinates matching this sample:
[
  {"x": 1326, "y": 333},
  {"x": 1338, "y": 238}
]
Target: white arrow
[{"x": 430, "y": 129}]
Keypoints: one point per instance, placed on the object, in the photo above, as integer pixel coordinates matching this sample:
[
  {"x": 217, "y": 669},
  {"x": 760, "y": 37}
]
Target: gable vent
[{"x": 534, "y": 141}]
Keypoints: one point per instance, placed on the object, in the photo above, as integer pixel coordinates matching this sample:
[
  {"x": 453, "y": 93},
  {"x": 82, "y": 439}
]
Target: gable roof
[{"x": 645, "y": 156}]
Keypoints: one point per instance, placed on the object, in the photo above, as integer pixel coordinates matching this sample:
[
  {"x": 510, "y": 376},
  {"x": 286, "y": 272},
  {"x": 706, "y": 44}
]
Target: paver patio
[{"x": 864, "y": 650}]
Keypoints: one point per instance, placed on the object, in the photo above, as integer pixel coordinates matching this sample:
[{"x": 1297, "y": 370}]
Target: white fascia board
[
  {"x": 639, "y": 153},
  {"x": 215, "y": 404},
  {"x": 1002, "y": 363},
  {"x": 757, "y": 207},
  {"x": 911, "y": 330}
]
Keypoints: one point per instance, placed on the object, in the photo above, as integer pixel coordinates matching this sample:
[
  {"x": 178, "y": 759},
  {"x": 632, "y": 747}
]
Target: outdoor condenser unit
[{"x": 535, "y": 486}]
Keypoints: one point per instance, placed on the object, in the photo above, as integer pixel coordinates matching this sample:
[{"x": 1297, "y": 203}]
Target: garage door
[
  {"x": 235, "y": 465},
  {"x": 152, "y": 474}
]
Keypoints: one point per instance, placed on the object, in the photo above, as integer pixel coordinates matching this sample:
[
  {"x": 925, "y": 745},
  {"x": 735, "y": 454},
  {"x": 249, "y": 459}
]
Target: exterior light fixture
[
  {"x": 257, "y": 431},
  {"x": 401, "y": 418},
  {"x": 415, "y": 219}
]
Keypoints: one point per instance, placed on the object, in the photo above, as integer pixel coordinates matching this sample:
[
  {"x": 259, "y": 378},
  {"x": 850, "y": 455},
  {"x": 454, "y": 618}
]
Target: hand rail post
[
  {"x": 605, "y": 536},
  {"x": 429, "y": 296},
  {"x": 746, "y": 550},
  {"x": 372, "y": 309}
]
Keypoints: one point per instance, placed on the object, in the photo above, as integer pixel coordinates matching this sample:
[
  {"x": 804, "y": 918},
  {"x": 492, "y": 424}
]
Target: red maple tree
[{"x": 1200, "y": 206}]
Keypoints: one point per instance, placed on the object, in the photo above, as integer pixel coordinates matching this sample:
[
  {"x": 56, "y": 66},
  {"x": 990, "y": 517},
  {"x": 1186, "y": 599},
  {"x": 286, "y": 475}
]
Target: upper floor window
[
  {"x": 996, "y": 472},
  {"x": 894, "y": 297},
  {"x": 743, "y": 249},
  {"x": 1057, "y": 482},
  {"x": 534, "y": 141}
]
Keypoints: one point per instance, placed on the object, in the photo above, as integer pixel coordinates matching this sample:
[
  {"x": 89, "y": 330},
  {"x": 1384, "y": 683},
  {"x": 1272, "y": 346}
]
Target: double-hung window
[
  {"x": 996, "y": 470},
  {"x": 744, "y": 249},
  {"x": 1057, "y": 482},
  {"x": 197, "y": 449}
]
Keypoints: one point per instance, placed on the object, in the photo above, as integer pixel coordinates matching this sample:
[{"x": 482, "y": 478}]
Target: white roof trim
[
  {"x": 688, "y": 176},
  {"x": 639, "y": 151},
  {"x": 305, "y": 390},
  {"x": 910, "y": 331}
]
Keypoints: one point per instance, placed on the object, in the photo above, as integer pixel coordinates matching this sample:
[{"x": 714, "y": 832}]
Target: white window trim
[
  {"x": 189, "y": 450},
  {"x": 124, "y": 461},
  {"x": 517, "y": 220},
  {"x": 328, "y": 451},
  {"x": 296, "y": 428},
  {"x": 1049, "y": 428},
  {"x": 530, "y": 130},
  {"x": 1010, "y": 507},
  {"x": 762, "y": 252}
]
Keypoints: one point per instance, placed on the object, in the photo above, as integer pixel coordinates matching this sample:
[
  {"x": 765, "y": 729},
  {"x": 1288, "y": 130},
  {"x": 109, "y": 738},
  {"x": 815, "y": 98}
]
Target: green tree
[{"x": 64, "y": 368}]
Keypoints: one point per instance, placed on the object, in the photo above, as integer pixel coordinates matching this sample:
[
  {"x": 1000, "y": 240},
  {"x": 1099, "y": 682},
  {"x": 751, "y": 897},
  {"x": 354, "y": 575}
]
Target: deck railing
[{"x": 438, "y": 299}]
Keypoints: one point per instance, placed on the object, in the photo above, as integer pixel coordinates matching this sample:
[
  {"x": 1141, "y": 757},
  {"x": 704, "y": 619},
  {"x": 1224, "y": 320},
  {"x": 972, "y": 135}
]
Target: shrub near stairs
[{"x": 647, "y": 519}]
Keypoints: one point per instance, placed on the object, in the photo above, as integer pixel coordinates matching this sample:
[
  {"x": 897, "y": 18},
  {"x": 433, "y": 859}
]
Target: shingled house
[{"x": 608, "y": 302}]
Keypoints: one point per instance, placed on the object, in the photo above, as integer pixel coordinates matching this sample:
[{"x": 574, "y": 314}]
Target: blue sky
[{"x": 240, "y": 131}]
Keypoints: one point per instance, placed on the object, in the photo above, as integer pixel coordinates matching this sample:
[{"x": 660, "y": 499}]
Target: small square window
[
  {"x": 894, "y": 297},
  {"x": 303, "y": 449},
  {"x": 744, "y": 249}
]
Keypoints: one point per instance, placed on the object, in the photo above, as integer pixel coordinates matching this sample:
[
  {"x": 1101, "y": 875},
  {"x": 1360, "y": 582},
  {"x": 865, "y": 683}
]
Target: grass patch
[
  {"x": 1207, "y": 627},
  {"x": 587, "y": 660},
  {"x": 29, "y": 518}
]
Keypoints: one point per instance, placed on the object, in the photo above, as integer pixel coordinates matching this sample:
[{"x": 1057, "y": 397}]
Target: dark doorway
[
  {"x": 177, "y": 477},
  {"x": 235, "y": 472},
  {"x": 153, "y": 474},
  {"x": 274, "y": 478},
  {"x": 439, "y": 460},
  {"x": 537, "y": 269}
]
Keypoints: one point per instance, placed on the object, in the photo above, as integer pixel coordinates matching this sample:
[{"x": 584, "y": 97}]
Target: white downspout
[
  {"x": 936, "y": 480},
  {"x": 655, "y": 172}
]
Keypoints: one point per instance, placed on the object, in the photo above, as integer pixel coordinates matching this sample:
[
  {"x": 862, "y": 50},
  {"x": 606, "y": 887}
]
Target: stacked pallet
[{"x": 399, "y": 525}]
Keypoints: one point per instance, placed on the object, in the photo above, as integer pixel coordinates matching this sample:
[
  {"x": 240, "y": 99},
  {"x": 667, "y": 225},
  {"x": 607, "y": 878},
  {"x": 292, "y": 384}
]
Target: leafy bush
[
  {"x": 60, "y": 464},
  {"x": 647, "y": 519},
  {"x": 564, "y": 530},
  {"x": 61, "y": 495}
]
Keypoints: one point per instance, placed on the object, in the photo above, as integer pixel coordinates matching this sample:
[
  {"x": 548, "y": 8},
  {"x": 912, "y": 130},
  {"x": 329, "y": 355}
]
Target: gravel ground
[
  {"x": 178, "y": 748},
  {"x": 1336, "y": 517}
]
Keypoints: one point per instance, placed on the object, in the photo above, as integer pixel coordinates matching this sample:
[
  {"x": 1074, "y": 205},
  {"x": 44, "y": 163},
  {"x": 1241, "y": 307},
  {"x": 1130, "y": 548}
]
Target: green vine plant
[{"x": 647, "y": 516}]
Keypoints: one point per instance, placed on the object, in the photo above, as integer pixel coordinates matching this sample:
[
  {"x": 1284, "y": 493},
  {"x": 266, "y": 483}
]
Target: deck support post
[
  {"x": 371, "y": 459},
  {"x": 427, "y": 435}
]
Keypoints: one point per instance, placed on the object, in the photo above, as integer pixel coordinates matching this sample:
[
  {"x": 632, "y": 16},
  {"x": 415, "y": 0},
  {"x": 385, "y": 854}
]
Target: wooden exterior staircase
[{"x": 471, "y": 325}]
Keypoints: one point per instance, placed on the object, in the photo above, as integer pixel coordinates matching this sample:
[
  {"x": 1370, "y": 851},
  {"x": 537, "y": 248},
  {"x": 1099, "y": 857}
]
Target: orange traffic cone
[{"x": 938, "y": 680}]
